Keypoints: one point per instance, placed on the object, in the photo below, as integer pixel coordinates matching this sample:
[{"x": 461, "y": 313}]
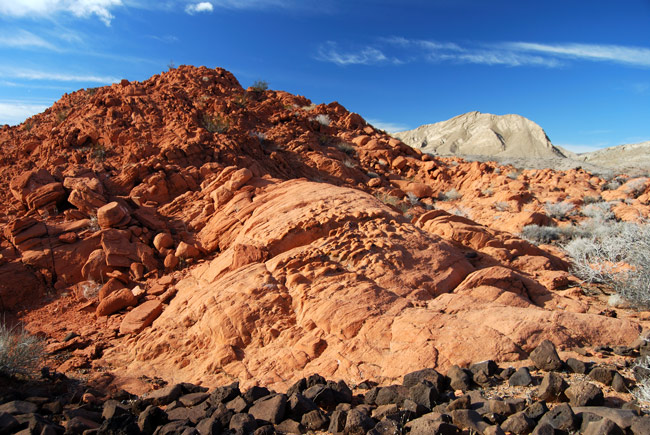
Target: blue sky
[{"x": 580, "y": 69}]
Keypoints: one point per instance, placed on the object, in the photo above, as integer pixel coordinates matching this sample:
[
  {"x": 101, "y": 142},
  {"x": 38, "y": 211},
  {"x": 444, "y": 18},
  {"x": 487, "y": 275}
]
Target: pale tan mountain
[
  {"x": 482, "y": 134},
  {"x": 620, "y": 157}
]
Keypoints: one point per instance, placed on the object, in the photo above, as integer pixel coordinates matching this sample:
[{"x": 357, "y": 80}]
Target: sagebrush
[
  {"x": 20, "y": 352},
  {"x": 616, "y": 254}
]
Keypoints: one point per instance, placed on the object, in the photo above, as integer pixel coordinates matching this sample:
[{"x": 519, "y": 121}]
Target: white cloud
[
  {"x": 30, "y": 74},
  {"x": 15, "y": 112},
  {"x": 261, "y": 4},
  {"x": 493, "y": 57},
  {"x": 390, "y": 127},
  {"x": 366, "y": 56},
  {"x": 47, "y": 8},
  {"x": 199, "y": 7},
  {"x": 637, "y": 56},
  {"x": 23, "y": 39},
  {"x": 512, "y": 54}
]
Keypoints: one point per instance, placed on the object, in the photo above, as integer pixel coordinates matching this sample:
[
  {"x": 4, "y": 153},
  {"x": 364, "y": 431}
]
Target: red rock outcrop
[{"x": 270, "y": 238}]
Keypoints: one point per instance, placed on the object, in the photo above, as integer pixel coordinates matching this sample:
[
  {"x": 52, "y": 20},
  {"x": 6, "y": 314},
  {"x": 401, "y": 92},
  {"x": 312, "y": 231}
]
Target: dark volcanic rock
[
  {"x": 604, "y": 375},
  {"x": 151, "y": 418},
  {"x": 337, "y": 421},
  {"x": 392, "y": 394},
  {"x": 545, "y": 357},
  {"x": 459, "y": 378},
  {"x": 521, "y": 378},
  {"x": 440, "y": 381},
  {"x": 576, "y": 366},
  {"x": 424, "y": 393},
  {"x": 584, "y": 394},
  {"x": 561, "y": 418},
  {"x": 242, "y": 424},
  {"x": 358, "y": 422},
  {"x": 270, "y": 408},
  {"x": 552, "y": 388},
  {"x": 315, "y": 420},
  {"x": 518, "y": 424},
  {"x": 603, "y": 427}
]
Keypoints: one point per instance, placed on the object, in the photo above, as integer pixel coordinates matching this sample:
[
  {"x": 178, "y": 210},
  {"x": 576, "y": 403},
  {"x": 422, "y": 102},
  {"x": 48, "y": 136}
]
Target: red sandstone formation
[{"x": 191, "y": 229}]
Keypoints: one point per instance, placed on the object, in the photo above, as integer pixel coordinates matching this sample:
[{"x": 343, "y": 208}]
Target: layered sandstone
[{"x": 188, "y": 228}]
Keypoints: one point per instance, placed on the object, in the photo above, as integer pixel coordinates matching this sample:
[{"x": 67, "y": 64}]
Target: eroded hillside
[{"x": 190, "y": 229}]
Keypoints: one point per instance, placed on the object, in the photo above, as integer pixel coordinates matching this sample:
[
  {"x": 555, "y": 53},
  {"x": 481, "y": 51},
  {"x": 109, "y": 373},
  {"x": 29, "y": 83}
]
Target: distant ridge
[
  {"x": 482, "y": 134},
  {"x": 621, "y": 156}
]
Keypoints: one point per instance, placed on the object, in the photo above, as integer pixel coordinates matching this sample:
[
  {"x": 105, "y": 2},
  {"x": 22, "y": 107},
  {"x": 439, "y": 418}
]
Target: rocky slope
[
  {"x": 482, "y": 134},
  {"x": 189, "y": 229},
  {"x": 622, "y": 157}
]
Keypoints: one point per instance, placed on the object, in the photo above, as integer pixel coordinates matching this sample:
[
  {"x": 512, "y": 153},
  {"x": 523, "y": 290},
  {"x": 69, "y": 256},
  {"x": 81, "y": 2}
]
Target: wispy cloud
[
  {"x": 167, "y": 39},
  {"x": 265, "y": 4},
  {"x": 20, "y": 38},
  {"x": 199, "y": 7},
  {"x": 48, "y": 8},
  {"x": 30, "y": 74},
  {"x": 390, "y": 127},
  {"x": 329, "y": 52},
  {"x": 511, "y": 54},
  {"x": 637, "y": 56},
  {"x": 15, "y": 112}
]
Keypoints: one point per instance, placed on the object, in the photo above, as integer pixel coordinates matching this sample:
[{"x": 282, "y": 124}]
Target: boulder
[
  {"x": 111, "y": 214},
  {"x": 141, "y": 316},
  {"x": 545, "y": 357},
  {"x": 115, "y": 302}
]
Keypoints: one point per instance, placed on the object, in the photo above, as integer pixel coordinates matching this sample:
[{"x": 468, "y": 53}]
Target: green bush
[
  {"x": 215, "y": 124},
  {"x": 260, "y": 86}
]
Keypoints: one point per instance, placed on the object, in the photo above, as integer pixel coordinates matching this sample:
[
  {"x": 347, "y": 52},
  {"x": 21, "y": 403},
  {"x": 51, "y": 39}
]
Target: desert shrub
[
  {"x": 61, "y": 115},
  {"x": 450, "y": 195},
  {"x": 642, "y": 390},
  {"x": 588, "y": 199},
  {"x": 372, "y": 174},
  {"x": 387, "y": 199},
  {"x": 215, "y": 124},
  {"x": 542, "y": 234},
  {"x": 412, "y": 198},
  {"x": 614, "y": 183},
  {"x": 322, "y": 119},
  {"x": 513, "y": 175},
  {"x": 346, "y": 148},
  {"x": 598, "y": 211},
  {"x": 462, "y": 212},
  {"x": 636, "y": 186},
  {"x": 349, "y": 163},
  {"x": 487, "y": 192},
  {"x": 93, "y": 226},
  {"x": 99, "y": 153},
  {"x": 259, "y": 135},
  {"x": 20, "y": 352},
  {"x": 616, "y": 254},
  {"x": 260, "y": 86},
  {"x": 559, "y": 210},
  {"x": 241, "y": 100},
  {"x": 90, "y": 289},
  {"x": 501, "y": 206},
  {"x": 171, "y": 65}
]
